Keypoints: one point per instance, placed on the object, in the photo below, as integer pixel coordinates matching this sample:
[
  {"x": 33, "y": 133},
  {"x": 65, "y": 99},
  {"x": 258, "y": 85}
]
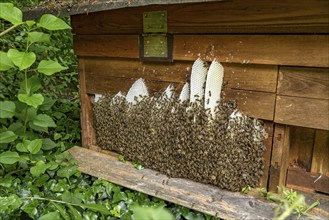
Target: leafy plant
[{"x": 289, "y": 202}]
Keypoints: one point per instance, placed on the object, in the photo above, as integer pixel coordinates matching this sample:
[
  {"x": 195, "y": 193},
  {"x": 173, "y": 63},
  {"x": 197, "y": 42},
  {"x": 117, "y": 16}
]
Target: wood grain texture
[
  {"x": 294, "y": 50},
  {"x": 88, "y": 134},
  {"x": 320, "y": 161},
  {"x": 236, "y": 16},
  {"x": 269, "y": 127},
  {"x": 300, "y": 179},
  {"x": 305, "y": 112},
  {"x": 301, "y": 147},
  {"x": 252, "y": 103},
  {"x": 251, "y": 77},
  {"x": 280, "y": 156},
  {"x": 200, "y": 197},
  {"x": 304, "y": 82},
  {"x": 125, "y": 46}
]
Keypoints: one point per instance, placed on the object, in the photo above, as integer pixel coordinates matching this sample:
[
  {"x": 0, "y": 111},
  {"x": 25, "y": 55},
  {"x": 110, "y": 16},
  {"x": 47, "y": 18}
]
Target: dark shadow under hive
[{"x": 162, "y": 135}]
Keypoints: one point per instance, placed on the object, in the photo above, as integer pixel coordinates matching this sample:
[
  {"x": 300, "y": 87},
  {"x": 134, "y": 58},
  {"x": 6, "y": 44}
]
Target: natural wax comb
[
  {"x": 137, "y": 91},
  {"x": 213, "y": 86},
  {"x": 198, "y": 79}
]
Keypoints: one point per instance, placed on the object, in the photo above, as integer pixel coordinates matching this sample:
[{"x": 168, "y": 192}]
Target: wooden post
[
  {"x": 280, "y": 156},
  {"x": 88, "y": 133},
  {"x": 267, "y": 154}
]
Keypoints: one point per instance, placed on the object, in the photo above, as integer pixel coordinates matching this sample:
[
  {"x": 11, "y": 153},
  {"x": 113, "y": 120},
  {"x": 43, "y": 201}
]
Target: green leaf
[
  {"x": 22, "y": 60},
  {"x": 34, "y": 146},
  {"x": 66, "y": 172},
  {"x": 9, "y": 203},
  {"x": 39, "y": 168},
  {"x": 22, "y": 147},
  {"x": 38, "y": 128},
  {"x": 30, "y": 23},
  {"x": 33, "y": 84},
  {"x": 51, "y": 215},
  {"x": 11, "y": 13},
  {"x": 17, "y": 128},
  {"x": 62, "y": 211},
  {"x": 6, "y": 181},
  {"x": 31, "y": 208},
  {"x": 40, "y": 37},
  {"x": 5, "y": 62},
  {"x": 52, "y": 23},
  {"x": 49, "y": 67},
  {"x": 48, "y": 144},
  {"x": 9, "y": 157},
  {"x": 7, "y": 109},
  {"x": 7, "y": 137},
  {"x": 44, "y": 120},
  {"x": 47, "y": 104},
  {"x": 34, "y": 100},
  {"x": 74, "y": 213},
  {"x": 96, "y": 208},
  {"x": 141, "y": 213}
]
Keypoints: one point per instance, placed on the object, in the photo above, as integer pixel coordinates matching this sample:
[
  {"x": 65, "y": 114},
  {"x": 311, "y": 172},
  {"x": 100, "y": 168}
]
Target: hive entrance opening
[{"x": 205, "y": 140}]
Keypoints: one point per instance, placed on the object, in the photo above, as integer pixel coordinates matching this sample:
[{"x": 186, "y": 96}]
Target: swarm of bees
[{"x": 181, "y": 138}]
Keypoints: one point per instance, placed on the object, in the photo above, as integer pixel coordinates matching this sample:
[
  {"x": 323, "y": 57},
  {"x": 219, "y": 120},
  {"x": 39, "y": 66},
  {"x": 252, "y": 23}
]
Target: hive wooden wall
[{"x": 275, "y": 66}]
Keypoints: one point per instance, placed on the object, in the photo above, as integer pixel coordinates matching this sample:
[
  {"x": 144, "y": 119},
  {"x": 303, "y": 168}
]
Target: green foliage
[{"x": 289, "y": 202}]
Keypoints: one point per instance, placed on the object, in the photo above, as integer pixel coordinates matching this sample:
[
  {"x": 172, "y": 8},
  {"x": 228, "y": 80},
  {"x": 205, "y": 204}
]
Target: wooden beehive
[{"x": 276, "y": 60}]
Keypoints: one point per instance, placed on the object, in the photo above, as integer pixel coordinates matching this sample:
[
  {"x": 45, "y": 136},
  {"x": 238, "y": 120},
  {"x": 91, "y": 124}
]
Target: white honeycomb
[
  {"x": 198, "y": 79},
  {"x": 137, "y": 91},
  {"x": 185, "y": 93}
]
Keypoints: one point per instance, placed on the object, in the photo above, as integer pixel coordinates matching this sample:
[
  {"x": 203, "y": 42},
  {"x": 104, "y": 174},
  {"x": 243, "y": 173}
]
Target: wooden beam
[
  {"x": 295, "y": 50},
  {"x": 236, "y": 16},
  {"x": 320, "y": 160},
  {"x": 252, "y": 103},
  {"x": 305, "y": 112},
  {"x": 88, "y": 134},
  {"x": 280, "y": 157},
  {"x": 201, "y": 197},
  {"x": 304, "y": 82}
]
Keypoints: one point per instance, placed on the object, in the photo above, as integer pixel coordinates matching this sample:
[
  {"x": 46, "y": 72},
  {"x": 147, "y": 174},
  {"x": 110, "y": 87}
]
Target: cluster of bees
[{"x": 178, "y": 139}]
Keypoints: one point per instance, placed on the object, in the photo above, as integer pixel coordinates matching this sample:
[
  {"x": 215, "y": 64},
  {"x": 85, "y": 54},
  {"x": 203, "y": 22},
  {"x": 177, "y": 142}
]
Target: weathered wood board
[
  {"x": 304, "y": 82},
  {"x": 304, "y": 112},
  {"x": 236, "y": 16},
  {"x": 280, "y": 156},
  {"x": 320, "y": 159},
  {"x": 201, "y": 197},
  {"x": 301, "y": 147},
  {"x": 296, "y": 50}
]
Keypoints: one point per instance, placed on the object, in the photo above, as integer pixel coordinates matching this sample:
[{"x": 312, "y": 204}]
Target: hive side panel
[
  {"x": 237, "y": 16},
  {"x": 305, "y": 112},
  {"x": 320, "y": 160},
  {"x": 88, "y": 133},
  {"x": 304, "y": 82},
  {"x": 279, "y": 157},
  {"x": 301, "y": 147},
  {"x": 294, "y": 50}
]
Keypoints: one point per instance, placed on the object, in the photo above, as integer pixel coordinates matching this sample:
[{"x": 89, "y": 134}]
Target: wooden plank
[
  {"x": 177, "y": 72},
  {"x": 269, "y": 126},
  {"x": 301, "y": 147},
  {"x": 305, "y": 112},
  {"x": 106, "y": 45},
  {"x": 298, "y": 178},
  {"x": 294, "y": 50},
  {"x": 88, "y": 134},
  {"x": 251, "y": 77},
  {"x": 200, "y": 197},
  {"x": 304, "y": 82},
  {"x": 280, "y": 157},
  {"x": 236, "y": 16},
  {"x": 320, "y": 161},
  {"x": 252, "y": 103}
]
